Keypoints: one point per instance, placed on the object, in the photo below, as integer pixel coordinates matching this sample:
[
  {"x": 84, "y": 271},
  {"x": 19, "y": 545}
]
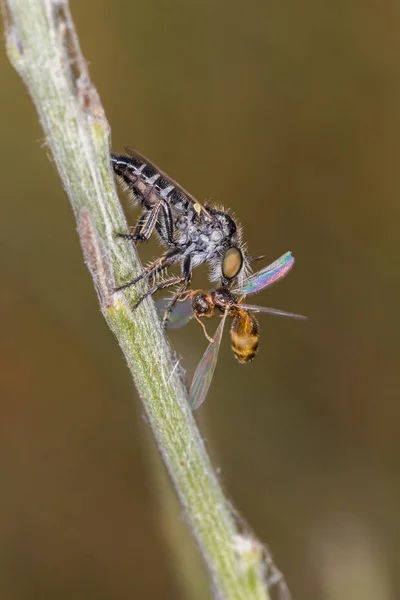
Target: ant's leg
[
  {"x": 204, "y": 328},
  {"x": 153, "y": 269},
  {"x": 145, "y": 226},
  {"x": 186, "y": 277}
]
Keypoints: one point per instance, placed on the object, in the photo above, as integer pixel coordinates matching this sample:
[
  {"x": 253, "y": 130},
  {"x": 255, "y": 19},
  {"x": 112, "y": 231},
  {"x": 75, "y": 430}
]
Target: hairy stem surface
[{"x": 42, "y": 46}]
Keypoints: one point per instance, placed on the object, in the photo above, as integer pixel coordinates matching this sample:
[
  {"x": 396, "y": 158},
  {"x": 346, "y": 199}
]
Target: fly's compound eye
[{"x": 232, "y": 263}]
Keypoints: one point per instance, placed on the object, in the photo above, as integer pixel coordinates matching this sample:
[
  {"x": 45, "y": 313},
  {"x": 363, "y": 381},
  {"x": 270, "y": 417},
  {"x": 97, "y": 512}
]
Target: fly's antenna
[{"x": 252, "y": 259}]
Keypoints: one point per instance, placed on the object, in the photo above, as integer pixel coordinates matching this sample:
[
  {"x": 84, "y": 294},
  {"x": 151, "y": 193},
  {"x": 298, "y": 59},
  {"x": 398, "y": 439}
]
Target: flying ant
[{"x": 244, "y": 328}]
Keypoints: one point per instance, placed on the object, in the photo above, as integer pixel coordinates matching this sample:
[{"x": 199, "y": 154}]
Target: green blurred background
[{"x": 289, "y": 114}]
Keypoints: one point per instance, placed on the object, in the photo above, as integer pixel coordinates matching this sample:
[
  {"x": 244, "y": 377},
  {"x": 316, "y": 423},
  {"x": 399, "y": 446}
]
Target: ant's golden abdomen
[{"x": 244, "y": 335}]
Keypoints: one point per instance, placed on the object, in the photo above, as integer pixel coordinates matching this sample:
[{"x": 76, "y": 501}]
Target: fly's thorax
[
  {"x": 205, "y": 234},
  {"x": 227, "y": 223},
  {"x": 244, "y": 335},
  {"x": 209, "y": 232}
]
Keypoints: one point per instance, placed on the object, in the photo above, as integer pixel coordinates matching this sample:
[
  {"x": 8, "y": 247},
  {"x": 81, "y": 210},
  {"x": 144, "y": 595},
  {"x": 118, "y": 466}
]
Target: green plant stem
[{"x": 43, "y": 47}]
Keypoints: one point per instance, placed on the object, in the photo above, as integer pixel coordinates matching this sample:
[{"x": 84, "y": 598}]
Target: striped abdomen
[{"x": 148, "y": 183}]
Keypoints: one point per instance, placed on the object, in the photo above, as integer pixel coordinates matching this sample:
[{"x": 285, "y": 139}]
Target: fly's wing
[
  {"x": 270, "y": 311},
  {"x": 267, "y": 276},
  {"x": 181, "y": 314},
  {"x": 205, "y": 369},
  {"x": 143, "y": 159}
]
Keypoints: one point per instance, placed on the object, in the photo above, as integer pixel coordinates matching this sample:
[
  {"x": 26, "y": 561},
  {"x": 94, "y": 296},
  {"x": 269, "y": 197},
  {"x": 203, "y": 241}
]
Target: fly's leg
[
  {"x": 148, "y": 221},
  {"x": 154, "y": 269},
  {"x": 169, "y": 225},
  {"x": 185, "y": 279},
  {"x": 159, "y": 286},
  {"x": 166, "y": 209},
  {"x": 145, "y": 226}
]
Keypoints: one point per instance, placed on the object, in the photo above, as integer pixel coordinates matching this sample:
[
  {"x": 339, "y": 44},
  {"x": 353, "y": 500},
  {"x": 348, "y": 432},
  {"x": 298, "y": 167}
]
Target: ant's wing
[
  {"x": 181, "y": 314},
  {"x": 270, "y": 311},
  {"x": 143, "y": 159},
  {"x": 267, "y": 276},
  {"x": 205, "y": 369}
]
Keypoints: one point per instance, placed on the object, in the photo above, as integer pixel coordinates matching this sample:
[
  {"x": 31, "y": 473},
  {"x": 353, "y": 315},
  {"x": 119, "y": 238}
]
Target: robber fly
[
  {"x": 192, "y": 233},
  {"x": 244, "y": 328}
]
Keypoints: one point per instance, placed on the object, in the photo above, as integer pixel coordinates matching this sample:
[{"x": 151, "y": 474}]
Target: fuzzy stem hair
[{"x": 43, "y": 47}]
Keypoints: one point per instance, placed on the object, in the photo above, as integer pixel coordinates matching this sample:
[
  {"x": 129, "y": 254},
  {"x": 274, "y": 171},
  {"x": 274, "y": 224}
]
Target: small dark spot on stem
[
  {"x": 89, "y": 98},
  {"x": 9, "y": 27},
  {"x": 96, "y": 258},
  {"x": 74, "y": 61},
  {"x": 71, "y": 53}
]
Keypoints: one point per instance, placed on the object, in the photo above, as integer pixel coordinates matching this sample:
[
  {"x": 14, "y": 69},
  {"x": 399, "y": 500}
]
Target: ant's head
[{"x": 202, "y": 305}]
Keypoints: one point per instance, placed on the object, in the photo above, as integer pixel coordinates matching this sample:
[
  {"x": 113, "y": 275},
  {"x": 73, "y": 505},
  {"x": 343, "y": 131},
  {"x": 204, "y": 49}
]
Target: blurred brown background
[{"x": 288, "y": 113}]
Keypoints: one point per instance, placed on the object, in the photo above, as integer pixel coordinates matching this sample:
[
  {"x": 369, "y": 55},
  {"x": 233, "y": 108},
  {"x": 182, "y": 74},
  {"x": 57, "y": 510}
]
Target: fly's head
[{"x": 231, "y": 263}]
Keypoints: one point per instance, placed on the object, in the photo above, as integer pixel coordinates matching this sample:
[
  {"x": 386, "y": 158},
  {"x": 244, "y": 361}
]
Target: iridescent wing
[
  {"x": 267, "y": 276},
  {"x": 205, "y": 369},
  {"x": 181, "y": 314},
  {"x": 270, "y": 311}
]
